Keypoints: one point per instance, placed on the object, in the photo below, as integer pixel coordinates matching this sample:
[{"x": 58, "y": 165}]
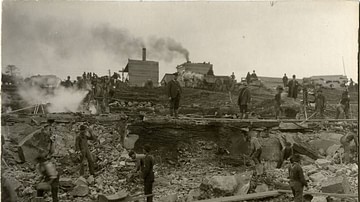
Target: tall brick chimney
[{"x": 144, "y": 54}]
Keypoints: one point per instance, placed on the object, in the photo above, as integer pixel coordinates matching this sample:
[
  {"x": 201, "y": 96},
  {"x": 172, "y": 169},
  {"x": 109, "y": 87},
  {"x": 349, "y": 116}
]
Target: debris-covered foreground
[{"x": 198, "y": 169}]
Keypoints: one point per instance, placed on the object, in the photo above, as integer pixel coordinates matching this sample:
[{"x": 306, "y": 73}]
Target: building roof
[
  {"x": 130, "y": 62},
  {"x": 200, "y": 68}
]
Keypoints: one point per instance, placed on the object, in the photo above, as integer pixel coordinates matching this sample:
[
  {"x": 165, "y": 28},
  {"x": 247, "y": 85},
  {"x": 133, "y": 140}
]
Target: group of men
[{"x": 49, "y": 180}]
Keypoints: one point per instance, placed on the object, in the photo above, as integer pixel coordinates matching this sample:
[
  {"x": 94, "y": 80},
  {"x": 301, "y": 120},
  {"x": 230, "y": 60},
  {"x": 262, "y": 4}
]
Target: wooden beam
[
  {"x": 244, "y": 197},
  {"x": 269, "y": 120},
  {"x": 323, "y": 194}
]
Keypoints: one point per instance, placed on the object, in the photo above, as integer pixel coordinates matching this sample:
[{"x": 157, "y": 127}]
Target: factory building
[
  {"x": 199, "y": 68},
  {"x": 141, "y": 71}
]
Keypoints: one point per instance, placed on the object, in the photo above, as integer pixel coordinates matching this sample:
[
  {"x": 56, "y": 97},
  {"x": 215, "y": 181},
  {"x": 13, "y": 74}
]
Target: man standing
[
  {"x": 82, "y": 147},
  {"x": 174, "y": 94},
  {"x": 285, "y": 80},
  {"x": 148, "y": 173},
  {"x": 248, "y": 78},
  {"x": 320, "y": 103},
  {"x": 243, "y": 101},
  {"x": 256, "y": 149},
  {"x": 278, "y": 102},
  {"x": 345, "y": 101},
  {"x": 293, "y": 87},
  {"x": 297, "y": 179},
  {"x": 345, "y": 142},
  {"x": 286, "y": 153},
  {"x": 305, "y": 96},
  {"x": 254, "y": 76},
  {"x": 68, "y": 83},
  {"x": 51, "y": 177}
]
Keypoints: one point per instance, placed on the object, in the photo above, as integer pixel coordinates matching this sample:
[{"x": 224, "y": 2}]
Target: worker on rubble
[
  {"x": 81, "y": 146},
  {"x": 320, "y": 103},
  {"x": 243, "y": 101},
  {"x": 174, "y": 92},
  {"x": 285, "y": 80},
  {"x": 345, "y": 101},
  {"x": 50, "y": 178},
  {"x": 254, "y": 76},
  {"x": 345, "y": 142},
  {"x": 139, "y": 164},
  {"x": 68, "y": 83},
  {"x": 293, "y": 87},
  {"x": 278, "y": 102},
  {"x": 148, "y": 173},
  {"x": 297, "y": 179},
  {"x": 248, "y": 78},
  {"x": 305, "y": 96},
  {"x": 255, "y": 148},
  {"x": 286, "y": 153}
]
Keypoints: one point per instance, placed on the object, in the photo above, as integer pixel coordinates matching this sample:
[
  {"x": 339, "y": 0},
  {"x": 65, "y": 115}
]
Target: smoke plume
[{"x": 48, "y": 44}]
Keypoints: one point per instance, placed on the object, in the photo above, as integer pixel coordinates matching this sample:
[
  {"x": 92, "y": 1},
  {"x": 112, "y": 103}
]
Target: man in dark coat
[
  {"x": 345, "y": 101},
  {"x": 174, "y": 92},
  {"x": 285, "y": 80},
  {"x": 148, "y": 173},
  {"x": 297, "y": 179},
  {"x": 82, "y": 147},
  {"x": 50, "y": 176},
  {"x": 320, "y": 103},
  {"x": 243, "y": 101},
  {"x": 278, "y": 102},
  {"x": 293, "y": 87},
  {"x": 248, "y": 78}
]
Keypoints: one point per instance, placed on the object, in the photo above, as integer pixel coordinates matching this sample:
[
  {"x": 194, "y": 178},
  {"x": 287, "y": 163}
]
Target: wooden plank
[
  {"x": 323, "y": 194},
  {"x": 271, "y": 120},
  {"x": 244, "y": 197}
]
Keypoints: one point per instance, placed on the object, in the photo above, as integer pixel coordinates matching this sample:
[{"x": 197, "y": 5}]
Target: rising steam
[{"x": 60, "y": 99}]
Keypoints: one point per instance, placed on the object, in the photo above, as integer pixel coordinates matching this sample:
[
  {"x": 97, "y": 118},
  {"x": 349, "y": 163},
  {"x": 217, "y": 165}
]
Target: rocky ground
[{"x": 199, "y": 168}]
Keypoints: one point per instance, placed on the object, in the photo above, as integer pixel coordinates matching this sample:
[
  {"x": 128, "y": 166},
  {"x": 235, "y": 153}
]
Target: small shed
[{"x": 141, "y": 71}]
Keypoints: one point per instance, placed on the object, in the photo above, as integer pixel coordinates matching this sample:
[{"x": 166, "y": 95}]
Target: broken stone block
[
  {"x": 338, "y": 185},
  {"x": 130, "y": 140},
  {"x": 271, "y": 149},
  {"x": 80, "y": 190},
  {"x": 81, "y": 181},
  {"x": 90, "y": 179},
  {"x": 305, "y": 160},
  {"x": 193, "y": 195},
  {"x": 33, "y": 145},
  {"x": 261, "y": 188},
  {"x": 65, "y": 182},
  {"x": 322, "y": 163},
  {"x": 118, "y": 197},
  {"x": 243, "y": 181},
  {"x": 317, "y": 177},
  {"x": 220, "y": 185},
  {"x": 169, "y": 198},
  {"x": 332, "y": 149}
]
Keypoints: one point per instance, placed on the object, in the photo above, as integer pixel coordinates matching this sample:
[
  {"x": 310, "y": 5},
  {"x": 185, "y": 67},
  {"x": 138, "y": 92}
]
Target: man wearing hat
[
  {"x": 345, "y": 102},
  {"x": 278, "y": 102},
  {"x": 297, "y": 179},
  {"x": 243, "y": 101},
  {"x": 320, "y": 103},
  {"x": 148, "y": 173},
  {"x": 345, "y": 143},
  {"x": 174, "y": 92},
  {"x": 293, "y": 87},
  {"x": 50, "y": 176},
  {"x": 81, "y": 146}
]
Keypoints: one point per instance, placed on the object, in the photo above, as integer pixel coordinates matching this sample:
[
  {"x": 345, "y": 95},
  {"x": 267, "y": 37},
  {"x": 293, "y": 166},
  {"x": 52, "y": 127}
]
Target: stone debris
[{"x": 338, "y": 185}]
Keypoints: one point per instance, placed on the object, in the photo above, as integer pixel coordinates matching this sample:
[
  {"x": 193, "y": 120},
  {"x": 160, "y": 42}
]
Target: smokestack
[{"x": 144, "y": 54}]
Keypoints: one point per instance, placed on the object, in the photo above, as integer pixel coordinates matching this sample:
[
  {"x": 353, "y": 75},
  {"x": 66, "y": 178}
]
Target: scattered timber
[
  {"x": 323, "y": 194},
  {"x": 244, "y": 197}
]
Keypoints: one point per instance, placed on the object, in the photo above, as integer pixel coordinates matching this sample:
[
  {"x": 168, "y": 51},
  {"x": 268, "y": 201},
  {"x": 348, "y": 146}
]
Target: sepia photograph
[{"x": 179, "y": 101}]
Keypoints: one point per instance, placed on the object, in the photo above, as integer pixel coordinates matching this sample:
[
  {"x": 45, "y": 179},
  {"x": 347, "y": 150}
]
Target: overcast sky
[{"x": 295, "y": 37}]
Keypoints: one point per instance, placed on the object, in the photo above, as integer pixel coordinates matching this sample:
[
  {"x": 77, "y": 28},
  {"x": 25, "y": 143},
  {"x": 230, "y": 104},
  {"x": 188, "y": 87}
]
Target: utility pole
[
  {"x": 343, "y": 65},
  {"x": 109, "y": 73}
]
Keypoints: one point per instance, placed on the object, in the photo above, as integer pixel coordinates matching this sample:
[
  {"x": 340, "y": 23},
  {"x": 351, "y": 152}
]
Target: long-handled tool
[{"x": 309, "y": 118}]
